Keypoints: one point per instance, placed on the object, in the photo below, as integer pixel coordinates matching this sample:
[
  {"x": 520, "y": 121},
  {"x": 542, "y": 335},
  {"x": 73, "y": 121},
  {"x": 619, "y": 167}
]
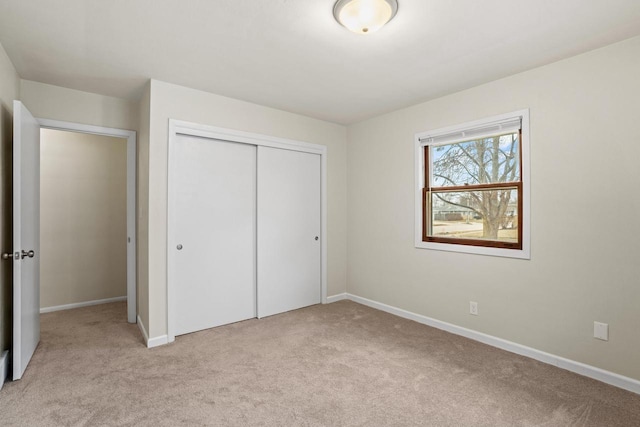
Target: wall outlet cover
[
  {"x": 473, "y": 308},
  {"x": 601, "y": 331}
]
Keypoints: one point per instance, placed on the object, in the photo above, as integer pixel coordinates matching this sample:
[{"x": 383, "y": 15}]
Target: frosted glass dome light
[{"x": 364, "y": 16}]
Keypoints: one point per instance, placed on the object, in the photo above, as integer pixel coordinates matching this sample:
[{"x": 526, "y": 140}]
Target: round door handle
[
  {"x": 317, "y": 237},
  {"x": 29, "y": 254},
  {"x": 179, "y": 247}
]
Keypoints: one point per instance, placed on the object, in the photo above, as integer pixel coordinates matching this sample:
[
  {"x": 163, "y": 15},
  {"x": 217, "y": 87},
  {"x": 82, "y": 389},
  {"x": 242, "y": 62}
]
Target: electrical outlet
[
  {"x": 473, "y": 308},
  {"x": 601, "y": 331}
]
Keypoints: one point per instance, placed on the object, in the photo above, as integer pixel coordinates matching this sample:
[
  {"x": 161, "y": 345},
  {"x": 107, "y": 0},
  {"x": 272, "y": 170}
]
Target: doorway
[
  {"x": 87, "y": 216},
  {"x": 83, "y": 227},
  {"x": 26, "y": 227}
]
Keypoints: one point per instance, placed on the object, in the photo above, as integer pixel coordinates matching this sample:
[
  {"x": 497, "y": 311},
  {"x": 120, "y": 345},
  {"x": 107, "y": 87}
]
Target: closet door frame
[{"x": 179, "y": 127}]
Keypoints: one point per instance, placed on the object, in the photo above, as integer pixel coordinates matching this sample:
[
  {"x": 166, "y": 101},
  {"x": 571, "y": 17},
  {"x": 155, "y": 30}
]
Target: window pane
[
  {"x": 487, "y": 160},
  {"x": 485, "y": 214}
]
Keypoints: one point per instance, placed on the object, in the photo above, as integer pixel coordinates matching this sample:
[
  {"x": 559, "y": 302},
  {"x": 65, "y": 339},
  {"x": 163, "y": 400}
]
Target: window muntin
[{"x": 473, "y": 191}]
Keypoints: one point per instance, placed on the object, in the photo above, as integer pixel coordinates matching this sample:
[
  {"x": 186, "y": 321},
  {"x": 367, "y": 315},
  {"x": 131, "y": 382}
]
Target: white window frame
[{"x": 420, "y": 142}]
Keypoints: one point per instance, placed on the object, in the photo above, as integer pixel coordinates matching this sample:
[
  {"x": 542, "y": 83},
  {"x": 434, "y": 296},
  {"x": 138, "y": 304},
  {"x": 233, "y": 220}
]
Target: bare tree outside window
[{"x": 473, "y": 191}]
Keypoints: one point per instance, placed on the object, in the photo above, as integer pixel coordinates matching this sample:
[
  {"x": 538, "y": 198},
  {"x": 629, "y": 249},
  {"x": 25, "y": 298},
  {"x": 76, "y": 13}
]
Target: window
[{"x": 472, "y": 189}]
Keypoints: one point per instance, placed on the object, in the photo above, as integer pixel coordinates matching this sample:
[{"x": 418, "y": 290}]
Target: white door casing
[
  {"x": 289, "y": 228},
  {"x": 26, "y": 237},
  {"x": 214, "y": 196},
  {"x": 178, "y": 129}
]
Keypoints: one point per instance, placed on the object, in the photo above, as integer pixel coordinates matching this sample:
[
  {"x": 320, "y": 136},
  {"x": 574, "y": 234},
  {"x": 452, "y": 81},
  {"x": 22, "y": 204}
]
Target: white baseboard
[
  {"x": 157, "y": 341},
  {"x": 81, "y": 304},
  {"x": 151, "y": 342},
  {"x": 337, "y": 297},
  {"x": 145, "y": 335},
  {"x": 4, "y": 367},
  {"x": 608, "y": 377}
]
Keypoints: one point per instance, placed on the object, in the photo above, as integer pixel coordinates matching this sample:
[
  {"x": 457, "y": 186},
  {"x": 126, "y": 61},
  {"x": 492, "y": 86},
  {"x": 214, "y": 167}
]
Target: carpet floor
[{"x": 341, "y": 364}]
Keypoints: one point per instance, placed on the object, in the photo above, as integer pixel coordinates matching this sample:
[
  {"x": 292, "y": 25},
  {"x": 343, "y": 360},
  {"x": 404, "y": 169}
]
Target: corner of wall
[{"x": 142, "y": 208}]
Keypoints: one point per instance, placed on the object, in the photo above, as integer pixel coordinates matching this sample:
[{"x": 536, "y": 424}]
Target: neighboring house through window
[{"x": 472, "y": 187}]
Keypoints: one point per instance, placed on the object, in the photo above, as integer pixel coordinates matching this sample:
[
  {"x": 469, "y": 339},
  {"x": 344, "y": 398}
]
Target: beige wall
[
  {"x": 142, "y": 210},
  {"x": 59, "y": 103},
  {"x": 83, "y": 210},
  {"x": 9, "y": 91},
  {"x": 584, "y": 208},
  {"x": 171, "y": 101}
]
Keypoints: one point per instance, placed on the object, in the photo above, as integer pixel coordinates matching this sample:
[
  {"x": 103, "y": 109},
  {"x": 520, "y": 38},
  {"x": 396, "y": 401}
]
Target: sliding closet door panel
[
  {"x": 215, "y": 233},
  {"x": 289, "y": 225}
]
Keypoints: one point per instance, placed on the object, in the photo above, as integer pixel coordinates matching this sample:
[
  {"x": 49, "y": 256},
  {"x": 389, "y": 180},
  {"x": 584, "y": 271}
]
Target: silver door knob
[
  {"x": 179, "y": 247},
  {"x": 29, "y": 254},
  {"x": 7, "y": 255}
]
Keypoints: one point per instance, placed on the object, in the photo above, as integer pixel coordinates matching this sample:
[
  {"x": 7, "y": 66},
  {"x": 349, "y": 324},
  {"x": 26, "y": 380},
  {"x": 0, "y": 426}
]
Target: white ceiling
[{"x": 292, "y": 55}]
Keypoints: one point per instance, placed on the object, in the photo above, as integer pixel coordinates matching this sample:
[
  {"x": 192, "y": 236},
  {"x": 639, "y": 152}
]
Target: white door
[
  {"x": 212, "y": 252},
  {"x": 289, "y": 225},
  {"x": 26, "y": 237}
]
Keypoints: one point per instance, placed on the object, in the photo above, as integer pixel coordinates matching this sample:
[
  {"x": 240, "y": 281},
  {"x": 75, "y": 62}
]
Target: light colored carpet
[{"x": 341, "y": 364}]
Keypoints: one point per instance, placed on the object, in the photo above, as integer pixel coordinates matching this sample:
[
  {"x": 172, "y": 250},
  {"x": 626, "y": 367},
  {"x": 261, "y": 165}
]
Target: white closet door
[
  {"x": 214, "y": 238},
  {"x": 289, "y": 224}
]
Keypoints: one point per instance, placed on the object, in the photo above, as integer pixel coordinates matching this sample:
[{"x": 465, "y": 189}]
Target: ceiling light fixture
[{"x": 364, "y": 16}]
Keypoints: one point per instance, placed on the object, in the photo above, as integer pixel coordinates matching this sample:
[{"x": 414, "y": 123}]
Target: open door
[{"x": 26, "y": 237}]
